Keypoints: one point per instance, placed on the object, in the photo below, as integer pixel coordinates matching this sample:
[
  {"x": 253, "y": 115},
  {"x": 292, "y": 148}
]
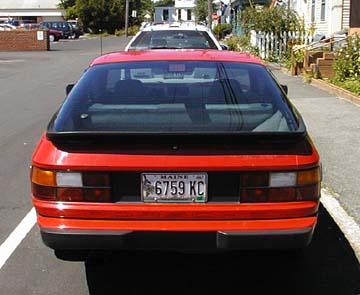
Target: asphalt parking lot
[{"x": 31, "y": 89}]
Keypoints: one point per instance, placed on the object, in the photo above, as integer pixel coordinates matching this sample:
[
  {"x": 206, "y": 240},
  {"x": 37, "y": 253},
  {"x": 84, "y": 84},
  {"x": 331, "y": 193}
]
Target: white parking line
[
  {"x": 15, "y": 238},
  {"x": 346, "y": 223}
]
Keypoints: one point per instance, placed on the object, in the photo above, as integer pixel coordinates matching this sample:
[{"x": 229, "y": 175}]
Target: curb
[
  {"x": 345, "y": 94},
  {"x": 328, "y": 87},
  {"x": 346, "y": 223}
]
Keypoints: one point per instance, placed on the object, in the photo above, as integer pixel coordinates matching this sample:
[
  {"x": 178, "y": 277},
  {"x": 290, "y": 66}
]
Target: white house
[
  {"x": 326, "y": 17},
  {"x": 36, "y": 10},
  {"x": 185, "y": 10},
  {"x": 165, "y": 13},
  {"x": 182, "y": 10}
]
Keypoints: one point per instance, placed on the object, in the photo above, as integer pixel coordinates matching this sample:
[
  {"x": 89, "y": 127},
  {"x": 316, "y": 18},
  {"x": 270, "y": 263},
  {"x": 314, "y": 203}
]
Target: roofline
[{"x": 178, "y": 54}]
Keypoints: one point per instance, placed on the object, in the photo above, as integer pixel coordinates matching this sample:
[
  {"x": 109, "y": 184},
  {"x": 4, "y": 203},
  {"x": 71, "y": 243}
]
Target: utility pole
[
  {"x": 126, "y": 17},
  {"x": 210, "y": 12}
]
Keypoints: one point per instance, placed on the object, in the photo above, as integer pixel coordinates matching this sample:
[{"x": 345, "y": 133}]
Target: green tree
[
  {"x": 276, "y": 20},
  {"x": 201, "y": 10},
  {"x": 142, "y": 7},
  {"x": 65, "y": 4},
  {"x": 101, "y": 14},
  {"x": 106, "y": 15},
  {"x": 164, "y": 3}
]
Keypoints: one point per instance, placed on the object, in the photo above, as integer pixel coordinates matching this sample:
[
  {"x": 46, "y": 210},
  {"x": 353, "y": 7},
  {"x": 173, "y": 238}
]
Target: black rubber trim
[{"x": 159, "y": 240}]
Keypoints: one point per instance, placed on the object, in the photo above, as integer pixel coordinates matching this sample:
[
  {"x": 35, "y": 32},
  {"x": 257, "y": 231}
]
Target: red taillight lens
[
  {"x": 284, "y": 194},
  {"x": 70, "y": 194},
  {"x": 287, "y": 186},
  {"x": 254, "y": 195},
  {"x": 96, "y": 179},
  {"x": 97, "y": 195},
  {"x": 42, "y": 192},
  {"x": 69, "y": 186},
  {"x": 308, "y": 193},
  {"x": 259, "y": 179}
]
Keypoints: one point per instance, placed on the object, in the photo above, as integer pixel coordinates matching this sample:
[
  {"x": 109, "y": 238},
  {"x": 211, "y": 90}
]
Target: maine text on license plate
[{"x": 174, "y": 187}]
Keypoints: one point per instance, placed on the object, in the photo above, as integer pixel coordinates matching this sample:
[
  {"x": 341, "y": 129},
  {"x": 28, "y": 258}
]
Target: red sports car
[{"x": 175, "y": 149}]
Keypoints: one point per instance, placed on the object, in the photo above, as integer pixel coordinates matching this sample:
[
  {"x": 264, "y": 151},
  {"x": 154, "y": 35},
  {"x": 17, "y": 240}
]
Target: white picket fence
[{"x": 272, "y": 46}]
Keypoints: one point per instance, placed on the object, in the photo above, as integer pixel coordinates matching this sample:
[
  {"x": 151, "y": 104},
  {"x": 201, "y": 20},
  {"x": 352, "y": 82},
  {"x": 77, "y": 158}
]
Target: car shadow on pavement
[{"x": 327, "y": 266}]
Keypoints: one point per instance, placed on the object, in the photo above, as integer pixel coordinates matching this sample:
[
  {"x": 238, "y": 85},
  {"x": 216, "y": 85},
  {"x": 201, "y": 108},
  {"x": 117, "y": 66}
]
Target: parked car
[
  {"x": 62, "y": 26},
  {"x": 175, "y": 149},
  {"x": 21, "y": 23},
  {"x": 77, "y": 28},
  {"x": 54, "y": 35},
  {"x": 174, "y": 36},
  {"x": 6, "y": 27}
]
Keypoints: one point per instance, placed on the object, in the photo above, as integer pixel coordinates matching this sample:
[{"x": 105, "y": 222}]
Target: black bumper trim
[{"x": 164, "y": 240}]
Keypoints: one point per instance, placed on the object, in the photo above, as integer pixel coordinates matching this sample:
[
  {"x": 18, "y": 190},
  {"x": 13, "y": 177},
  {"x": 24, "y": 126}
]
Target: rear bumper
[{"x": 179, "y": 235}]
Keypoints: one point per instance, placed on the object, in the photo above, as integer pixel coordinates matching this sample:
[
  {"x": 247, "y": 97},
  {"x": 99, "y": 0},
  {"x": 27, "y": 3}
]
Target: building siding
[{"x": 346, "y": 14}]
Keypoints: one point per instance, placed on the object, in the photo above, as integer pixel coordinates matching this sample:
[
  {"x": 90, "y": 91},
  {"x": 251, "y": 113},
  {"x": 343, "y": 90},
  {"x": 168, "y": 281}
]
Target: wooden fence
[{"x": 273, "y": 46}]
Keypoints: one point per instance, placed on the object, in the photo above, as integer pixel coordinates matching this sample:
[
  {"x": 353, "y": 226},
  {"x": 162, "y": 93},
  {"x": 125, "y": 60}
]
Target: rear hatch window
[
  {"x": 177, "y": 97},
  {"x": 173, "y": 39}
]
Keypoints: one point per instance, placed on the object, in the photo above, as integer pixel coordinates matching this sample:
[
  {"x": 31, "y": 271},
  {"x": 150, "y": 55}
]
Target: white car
[
  {"x": 7, "y": 27},
  {"x": 174, "y": 36}
]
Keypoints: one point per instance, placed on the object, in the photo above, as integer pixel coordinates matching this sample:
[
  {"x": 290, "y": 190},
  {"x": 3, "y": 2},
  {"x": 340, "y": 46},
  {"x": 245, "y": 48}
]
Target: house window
[
  {"x": 313, "y": 10},
  {"x": 323, "y": 7},
  {"x": 188, "y": 14},
  {"x": 179, "y": 14},
  {"x": 166, "y": 14}
]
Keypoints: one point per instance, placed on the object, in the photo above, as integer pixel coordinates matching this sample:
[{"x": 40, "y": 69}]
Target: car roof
[
  {"x": 191, "y": 26},
  {"x": 54, "y": 21},
  {"x": 173, "y": 55}
]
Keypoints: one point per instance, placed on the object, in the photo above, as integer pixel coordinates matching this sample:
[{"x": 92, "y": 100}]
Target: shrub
[
  {"x": 221, "y": 29},
  {"x": 347, "y": 62},
  {"x": 131, "y": 31},
  {"x": 233, "y": 43},
  {"x": 350, "y": 85},
  {"x": 347, "y": 66},
  {"x": 242, "y": 44}
]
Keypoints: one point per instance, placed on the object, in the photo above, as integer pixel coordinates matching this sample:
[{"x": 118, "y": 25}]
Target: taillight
[
  {"x": 71, "y": 186},
  {"x": 308, "y": 184},
  {"x": 281, "y": 186}
]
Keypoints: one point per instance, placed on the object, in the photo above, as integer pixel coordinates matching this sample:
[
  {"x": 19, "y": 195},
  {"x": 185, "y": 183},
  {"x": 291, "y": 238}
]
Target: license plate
[{"x": 174, "y": 187}]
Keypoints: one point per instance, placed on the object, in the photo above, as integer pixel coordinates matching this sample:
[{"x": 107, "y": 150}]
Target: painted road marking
[
  {"x": 15, "y": 238},
  {"x": 346, "y": 223}
]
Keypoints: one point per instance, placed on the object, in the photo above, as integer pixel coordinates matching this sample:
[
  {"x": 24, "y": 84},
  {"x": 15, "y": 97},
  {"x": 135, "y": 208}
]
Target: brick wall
[{"x": 21, "y": 40}]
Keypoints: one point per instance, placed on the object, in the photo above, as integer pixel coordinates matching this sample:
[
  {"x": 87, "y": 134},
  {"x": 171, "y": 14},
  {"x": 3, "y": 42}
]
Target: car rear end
[
  {"x": 158, "y": 171},
  {"x": 174, "y": 36}
]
